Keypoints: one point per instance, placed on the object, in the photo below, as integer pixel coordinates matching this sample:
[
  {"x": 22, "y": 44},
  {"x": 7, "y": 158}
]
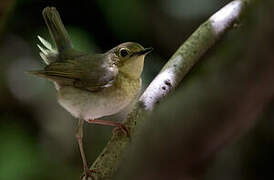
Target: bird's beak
[{"x": 144, "y": 52}]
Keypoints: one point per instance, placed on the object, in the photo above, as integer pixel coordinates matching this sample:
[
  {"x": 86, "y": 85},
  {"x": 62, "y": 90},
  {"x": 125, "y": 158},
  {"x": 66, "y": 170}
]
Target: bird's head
[{"x": 129, "y": 58}]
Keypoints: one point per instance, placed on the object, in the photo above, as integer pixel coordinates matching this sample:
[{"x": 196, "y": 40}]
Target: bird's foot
[
  {"x": 123, "y": 128},
  {"x": 118, "y": 126},
  {"x": 87, "y": 175}
]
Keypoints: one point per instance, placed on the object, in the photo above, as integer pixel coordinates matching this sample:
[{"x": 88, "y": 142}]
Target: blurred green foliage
[
  {"x": 19, "y": 154},
  {"x": 126, "y": 19}
]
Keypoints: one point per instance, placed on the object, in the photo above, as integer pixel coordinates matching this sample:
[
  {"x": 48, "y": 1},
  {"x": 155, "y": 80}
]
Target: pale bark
[{"x": 167, "y": 80}]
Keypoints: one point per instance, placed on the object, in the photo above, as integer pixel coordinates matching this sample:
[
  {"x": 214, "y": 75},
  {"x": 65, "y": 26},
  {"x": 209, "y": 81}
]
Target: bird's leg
[
  {"x": 118, "y": 126},
  {"x": 79, "y": 136}
]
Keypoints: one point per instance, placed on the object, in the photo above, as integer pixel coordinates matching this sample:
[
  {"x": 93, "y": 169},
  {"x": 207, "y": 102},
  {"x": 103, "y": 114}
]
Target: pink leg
[
  {"x": 79, "y": 136},
  {"x": 119, "y": 126}
]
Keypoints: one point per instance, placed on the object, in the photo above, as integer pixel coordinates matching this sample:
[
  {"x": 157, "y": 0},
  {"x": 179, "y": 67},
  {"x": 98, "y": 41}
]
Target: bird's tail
[
  {"x": 56, "y": 29},
  {"x": 58, "y": 34}
]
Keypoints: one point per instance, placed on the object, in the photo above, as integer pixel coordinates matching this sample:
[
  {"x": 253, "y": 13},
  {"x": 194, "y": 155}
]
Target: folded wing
[{"x": 87, "y": 73}]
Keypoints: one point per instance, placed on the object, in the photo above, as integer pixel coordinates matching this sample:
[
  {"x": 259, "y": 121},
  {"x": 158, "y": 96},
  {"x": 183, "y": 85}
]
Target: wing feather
[{"x": 90, "y": 73}]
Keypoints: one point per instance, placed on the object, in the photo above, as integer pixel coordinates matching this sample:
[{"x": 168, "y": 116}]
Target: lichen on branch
[{"x": 188, "y": 54}]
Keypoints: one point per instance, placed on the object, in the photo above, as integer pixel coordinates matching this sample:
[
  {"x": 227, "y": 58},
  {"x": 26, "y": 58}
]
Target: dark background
[{"x": 37, "y": 135}]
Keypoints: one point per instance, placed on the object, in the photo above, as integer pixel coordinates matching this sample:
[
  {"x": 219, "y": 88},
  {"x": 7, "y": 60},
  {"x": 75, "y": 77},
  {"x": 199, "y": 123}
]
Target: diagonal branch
[{"x": 169, "y": 78}]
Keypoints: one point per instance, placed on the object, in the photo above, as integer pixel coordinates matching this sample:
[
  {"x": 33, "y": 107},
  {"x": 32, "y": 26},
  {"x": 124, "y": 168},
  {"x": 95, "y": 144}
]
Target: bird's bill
[{"x": 144, "y": 52}]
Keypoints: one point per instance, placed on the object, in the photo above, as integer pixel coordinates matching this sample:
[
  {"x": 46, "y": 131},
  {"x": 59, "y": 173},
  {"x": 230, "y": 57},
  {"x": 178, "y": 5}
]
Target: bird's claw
[
  {"x": 87, "y": 175},
  {"x": 122, "y": 128}
]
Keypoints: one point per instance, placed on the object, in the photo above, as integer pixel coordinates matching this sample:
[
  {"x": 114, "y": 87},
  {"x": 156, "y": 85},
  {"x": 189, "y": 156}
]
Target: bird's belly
[{"x": 93, "y": 105}]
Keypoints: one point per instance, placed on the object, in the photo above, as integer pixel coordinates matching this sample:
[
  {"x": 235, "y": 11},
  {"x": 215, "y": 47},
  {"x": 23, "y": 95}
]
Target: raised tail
[{"x": 56, "y": 28}]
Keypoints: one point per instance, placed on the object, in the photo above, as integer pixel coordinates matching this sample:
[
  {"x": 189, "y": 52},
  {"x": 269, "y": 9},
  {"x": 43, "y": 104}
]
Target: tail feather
[
  {"x": 44, "y": 57},
  {"x": 48, "y": 54},
  {"x": 56, "y": 28},
  {"x": 43, "y": 50},
  {"x": 45, "y": 43}
]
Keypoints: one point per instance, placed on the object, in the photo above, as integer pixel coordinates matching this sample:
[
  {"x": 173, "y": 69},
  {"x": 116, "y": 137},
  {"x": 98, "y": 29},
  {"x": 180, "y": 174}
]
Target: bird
[{"x": 90, "y": 86}]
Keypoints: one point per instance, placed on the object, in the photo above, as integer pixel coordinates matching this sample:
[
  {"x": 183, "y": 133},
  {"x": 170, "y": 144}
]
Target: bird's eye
[{"x": 123, "y": 53}]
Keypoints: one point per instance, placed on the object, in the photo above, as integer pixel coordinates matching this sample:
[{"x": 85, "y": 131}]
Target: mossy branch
[{"x": 169, "y": 77}]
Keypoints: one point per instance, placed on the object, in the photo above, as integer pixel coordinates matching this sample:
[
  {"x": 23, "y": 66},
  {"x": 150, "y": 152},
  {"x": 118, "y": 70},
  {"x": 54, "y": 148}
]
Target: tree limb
[
  {"x": 169, "y": 78},
  {"x": 216, "y": 109}
]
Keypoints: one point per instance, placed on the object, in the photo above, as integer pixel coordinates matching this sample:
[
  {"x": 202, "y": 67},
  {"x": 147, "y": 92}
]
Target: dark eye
[{"x": 123, "y": 52}]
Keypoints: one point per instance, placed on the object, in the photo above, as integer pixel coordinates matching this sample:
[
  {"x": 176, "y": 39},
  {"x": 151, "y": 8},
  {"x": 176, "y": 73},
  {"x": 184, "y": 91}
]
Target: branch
[
  {"x": 212, "y": 117},
  {"x": 169, "y": 78}
]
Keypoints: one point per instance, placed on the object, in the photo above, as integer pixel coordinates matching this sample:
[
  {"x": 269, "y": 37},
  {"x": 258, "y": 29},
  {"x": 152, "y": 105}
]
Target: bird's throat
[{"x": 133, "y": 68}]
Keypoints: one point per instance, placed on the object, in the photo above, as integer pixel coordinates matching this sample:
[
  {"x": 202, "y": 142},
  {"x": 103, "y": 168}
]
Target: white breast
[{"x": 93, "y": 105}]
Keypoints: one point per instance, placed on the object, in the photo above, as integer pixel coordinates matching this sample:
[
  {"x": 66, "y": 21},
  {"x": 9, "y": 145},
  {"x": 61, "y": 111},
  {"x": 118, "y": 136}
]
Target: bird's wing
[{"x": 87, "y": 73}]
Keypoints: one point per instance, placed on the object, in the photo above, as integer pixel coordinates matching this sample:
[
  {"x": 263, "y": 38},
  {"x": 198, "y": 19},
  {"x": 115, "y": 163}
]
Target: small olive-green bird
[{"x": 90, "y": 86}]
